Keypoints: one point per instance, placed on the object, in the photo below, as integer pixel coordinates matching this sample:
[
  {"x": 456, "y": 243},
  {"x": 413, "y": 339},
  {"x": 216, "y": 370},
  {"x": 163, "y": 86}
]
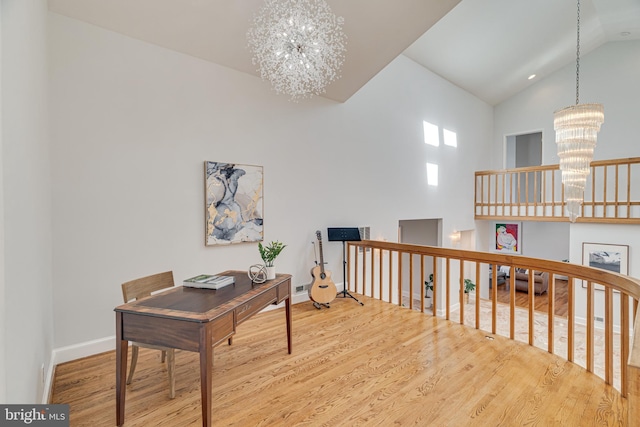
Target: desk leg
[
  {"x": 122, "y": 347},
  {"x": 206, "y": 360},
  {"x": 288, "y": 312}
]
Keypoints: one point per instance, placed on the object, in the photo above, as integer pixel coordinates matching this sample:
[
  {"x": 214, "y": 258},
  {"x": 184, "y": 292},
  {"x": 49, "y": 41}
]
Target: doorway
[{"x": 523, "y": 150}]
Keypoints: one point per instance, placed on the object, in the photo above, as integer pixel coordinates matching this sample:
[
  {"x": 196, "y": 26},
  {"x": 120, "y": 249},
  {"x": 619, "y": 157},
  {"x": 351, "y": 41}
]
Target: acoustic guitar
[{"x": 322, "y": 290}]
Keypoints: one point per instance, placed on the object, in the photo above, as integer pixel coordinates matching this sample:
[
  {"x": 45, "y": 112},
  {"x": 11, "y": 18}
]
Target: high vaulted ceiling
[{"x": 487, "y": 47}]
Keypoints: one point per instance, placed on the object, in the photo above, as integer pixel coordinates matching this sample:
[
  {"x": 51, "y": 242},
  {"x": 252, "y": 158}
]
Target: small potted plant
[
  {"x": 268, "y": 253},
  {"x": 428, "y": 291},
  {"x": 469, "y": 286}
]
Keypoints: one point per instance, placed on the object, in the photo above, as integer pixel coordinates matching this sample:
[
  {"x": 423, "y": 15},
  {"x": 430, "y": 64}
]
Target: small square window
[
  {"x": 450, "y": 138},
  {"x": 432, "y": 174},
  {"x": 431, "y": 135}
]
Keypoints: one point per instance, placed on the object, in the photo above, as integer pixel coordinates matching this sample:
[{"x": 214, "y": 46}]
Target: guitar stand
[{"x": 319, "y": 305}]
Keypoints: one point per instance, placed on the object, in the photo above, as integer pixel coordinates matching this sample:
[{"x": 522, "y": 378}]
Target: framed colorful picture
[
  {"x": 507, "y": 237},
  {"x": 606, "y": 257},
  {"x": 233, "y": 203}
]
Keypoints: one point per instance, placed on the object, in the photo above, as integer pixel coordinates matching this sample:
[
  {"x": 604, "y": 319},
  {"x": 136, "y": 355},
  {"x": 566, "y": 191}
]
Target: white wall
[
  {"x": 620, "y": 234},
  {"x": 26, "y": 197},
  {"x": 132, "y": 124},
  {"x": 546, "y": 240},
  {"x": 608, "y": 75},
  {"x": 3, "y": 378}
]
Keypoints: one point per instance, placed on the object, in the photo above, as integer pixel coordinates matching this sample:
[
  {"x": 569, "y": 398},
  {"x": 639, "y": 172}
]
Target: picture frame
[
  {"x": 233, "y": 203},
  {"x": 507, "y": 237},
  {"x": 605, "y": 256}
]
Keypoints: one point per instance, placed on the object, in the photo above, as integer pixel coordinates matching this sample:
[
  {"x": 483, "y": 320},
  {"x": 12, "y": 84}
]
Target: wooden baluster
[
  {"x": 512, "y": 303},
  {"x": 411, "y": 281},
  {"x": 624, "y": 343},
  {"x": 461, "y": 291},
  {"x": 400, "y": 256},
  {"x": 526, "y": 193},
  {"x": 355, "y": 269},
  {"x": 434, "y": 299},
  {"x": 380, "y": 262},
  {"x": 551, "y": 297},
  {"x": 373, "y": 275},
  {"x": 553, "y": 193},
  {"x": 608, "y": 335},
  {"x": 532, "y": 306},
  {"x": 504, "y": 194},
  {"x": 422, "y": 290},
  {"x": 477, "y": 295},
  {"x": 616, "y": 207},
  {"x": 390, "y": 275},
  {"x": 629, "y": 192},
  {"x": 570, "y": 319},
  {"x": 364, "y": 271},
  {"x": 494, "y": 298},
  {"x": 447, "y": 290},
  {"x": 590, "y": 328},
  {"x": 604, "y": 198}
]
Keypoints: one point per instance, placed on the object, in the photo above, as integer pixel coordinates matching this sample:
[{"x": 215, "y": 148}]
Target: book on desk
[{"x": 208, "y": 281}]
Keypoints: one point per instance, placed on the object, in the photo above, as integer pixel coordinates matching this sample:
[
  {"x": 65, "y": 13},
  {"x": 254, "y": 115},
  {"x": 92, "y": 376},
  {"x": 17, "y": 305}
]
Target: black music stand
[{"x": 344, "y": 234}]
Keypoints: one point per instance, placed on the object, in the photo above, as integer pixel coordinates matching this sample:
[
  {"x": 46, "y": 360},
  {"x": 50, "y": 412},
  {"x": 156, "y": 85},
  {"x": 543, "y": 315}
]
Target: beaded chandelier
[
  {"x": 576, "y": 129},
  {"x": 298, "y": 46}
]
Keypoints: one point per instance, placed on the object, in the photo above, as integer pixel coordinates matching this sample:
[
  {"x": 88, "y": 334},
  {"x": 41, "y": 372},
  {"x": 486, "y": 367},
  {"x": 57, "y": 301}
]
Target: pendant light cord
[{"x": 578, "y": 59}]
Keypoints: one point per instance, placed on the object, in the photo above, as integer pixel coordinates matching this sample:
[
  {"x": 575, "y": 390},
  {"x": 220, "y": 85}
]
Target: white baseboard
[
  {"x": 73, "y": 352},
  {"x": 48, "y": 383},
  {"x": 78, "y": 351}
]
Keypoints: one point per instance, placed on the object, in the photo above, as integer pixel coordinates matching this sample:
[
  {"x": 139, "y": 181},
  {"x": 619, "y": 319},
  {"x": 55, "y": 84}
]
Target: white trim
[
  {"x": 78, "y": 351},
  {"x": 48, "y": 382},
  {"x": 73, "y": 352}
]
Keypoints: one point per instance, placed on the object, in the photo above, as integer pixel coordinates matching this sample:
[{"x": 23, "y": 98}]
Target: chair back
[{"x": 143, "y": 287}]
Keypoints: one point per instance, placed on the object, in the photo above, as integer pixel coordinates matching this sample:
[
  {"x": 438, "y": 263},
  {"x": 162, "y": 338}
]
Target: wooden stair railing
[
  {"x": 375, "y": 269},
  {"x": 537, "y": 193}
]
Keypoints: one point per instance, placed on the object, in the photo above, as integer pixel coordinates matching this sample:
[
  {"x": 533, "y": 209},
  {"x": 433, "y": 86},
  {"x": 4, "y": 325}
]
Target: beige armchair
[{"x": 540, "y": 281}]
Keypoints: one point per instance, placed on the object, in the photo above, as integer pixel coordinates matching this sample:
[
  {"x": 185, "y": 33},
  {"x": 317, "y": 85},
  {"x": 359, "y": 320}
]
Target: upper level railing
[
  {"x": 537, "y": 194},
  {"x": 396, "y": 273}
]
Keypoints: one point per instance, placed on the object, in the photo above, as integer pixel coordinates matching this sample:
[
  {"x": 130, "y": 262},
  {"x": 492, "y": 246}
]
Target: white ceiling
[{"x": 487, "y": 47}]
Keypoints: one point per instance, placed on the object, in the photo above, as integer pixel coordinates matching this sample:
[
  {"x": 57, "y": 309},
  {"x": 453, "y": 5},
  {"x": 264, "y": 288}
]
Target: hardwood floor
[
  {"x": 376, "y": 365},
  {"x": 541, "y": 301}
]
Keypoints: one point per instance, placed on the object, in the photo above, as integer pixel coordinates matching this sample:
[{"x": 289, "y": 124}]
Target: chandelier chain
[{"x": 578, "y": 59}]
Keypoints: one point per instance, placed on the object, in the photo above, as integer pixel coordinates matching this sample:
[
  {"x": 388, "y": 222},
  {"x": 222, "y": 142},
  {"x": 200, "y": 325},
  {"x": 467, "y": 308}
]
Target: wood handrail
[
  {"x": 619, "y": 282},
  {"x": 628, "y": 288}
]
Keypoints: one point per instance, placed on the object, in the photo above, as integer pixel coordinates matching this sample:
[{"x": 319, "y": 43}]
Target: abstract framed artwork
[
  {"x": 507, "y": 237},
  {"x": 605, "y": 256},
  {"x": 233, "y": 203}
]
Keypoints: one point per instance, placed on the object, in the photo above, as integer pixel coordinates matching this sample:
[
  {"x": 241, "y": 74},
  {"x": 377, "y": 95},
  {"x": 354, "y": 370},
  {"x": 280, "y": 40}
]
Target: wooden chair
[{"x": 140, "y": 288}]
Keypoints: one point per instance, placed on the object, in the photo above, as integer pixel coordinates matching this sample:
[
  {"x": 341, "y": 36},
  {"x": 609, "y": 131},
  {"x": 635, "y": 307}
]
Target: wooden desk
[{"x": 194, "y": 320}]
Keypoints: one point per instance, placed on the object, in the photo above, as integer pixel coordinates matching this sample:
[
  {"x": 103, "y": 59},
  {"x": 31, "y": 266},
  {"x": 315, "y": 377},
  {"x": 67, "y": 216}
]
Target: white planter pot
[
  {"x": 271, "y": 273},
  {"x": 427, "y": 302}
]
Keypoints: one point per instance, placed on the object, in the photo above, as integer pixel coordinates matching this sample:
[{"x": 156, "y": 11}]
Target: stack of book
[{"x": 207, "y": 281}]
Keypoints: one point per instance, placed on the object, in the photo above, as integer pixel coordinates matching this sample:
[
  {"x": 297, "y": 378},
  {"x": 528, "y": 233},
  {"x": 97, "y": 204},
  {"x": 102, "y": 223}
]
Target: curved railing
[{"x": 389, "y": 271}]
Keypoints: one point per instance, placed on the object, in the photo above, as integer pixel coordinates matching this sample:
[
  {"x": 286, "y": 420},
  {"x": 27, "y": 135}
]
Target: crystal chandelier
[
  {"x": 298, "y": 45},
  {"x": 576, "y": 135}
]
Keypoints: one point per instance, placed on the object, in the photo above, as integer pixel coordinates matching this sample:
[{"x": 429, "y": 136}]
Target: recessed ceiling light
[
  {"x": 625, "y": 33},
  {"x": 531, "y": 77}
]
